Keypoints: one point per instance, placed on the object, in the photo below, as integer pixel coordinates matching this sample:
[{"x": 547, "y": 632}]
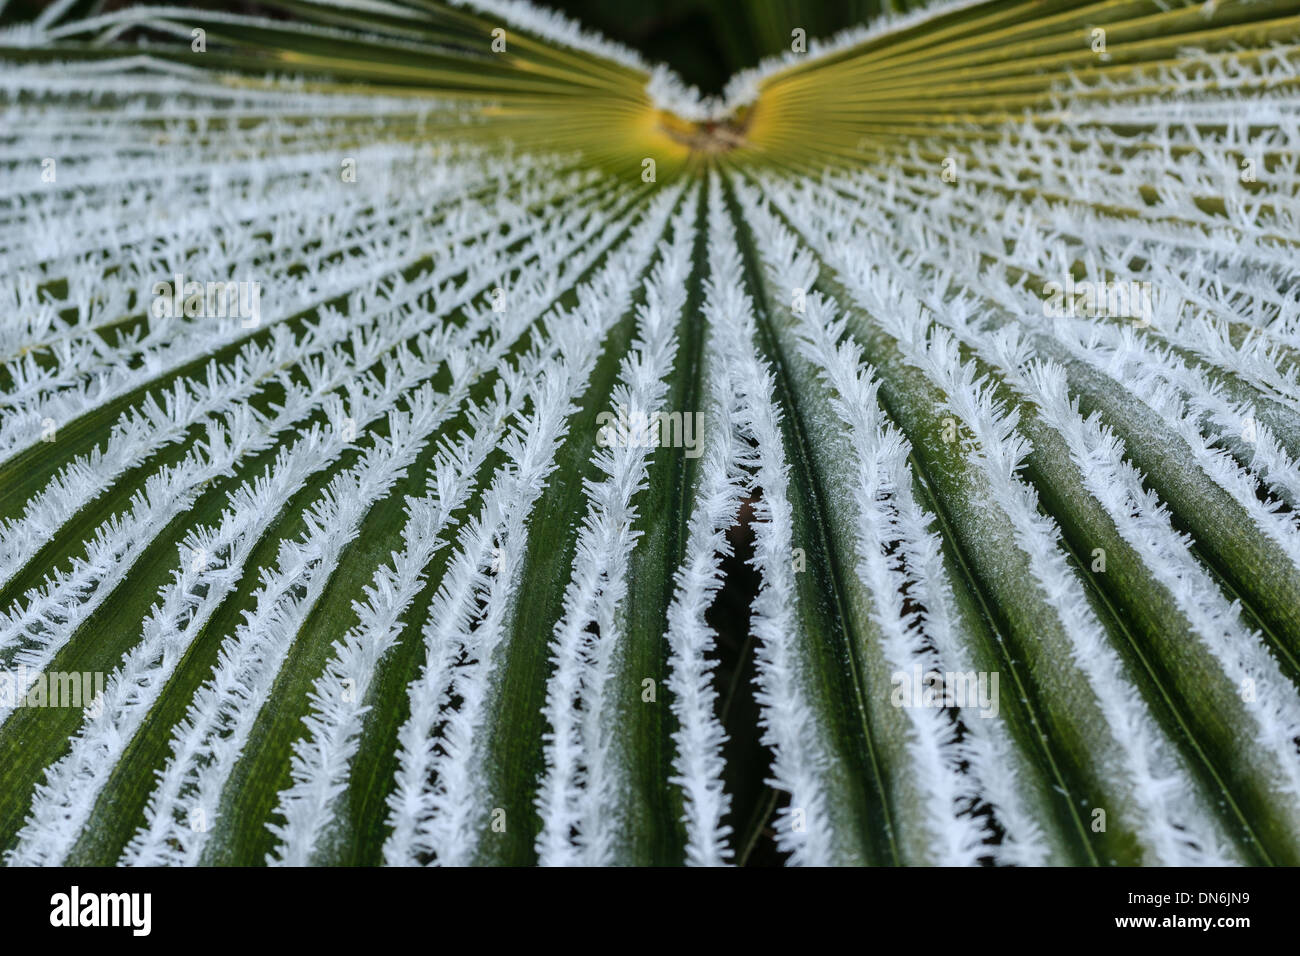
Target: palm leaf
[{"x": 890, "y": 460}]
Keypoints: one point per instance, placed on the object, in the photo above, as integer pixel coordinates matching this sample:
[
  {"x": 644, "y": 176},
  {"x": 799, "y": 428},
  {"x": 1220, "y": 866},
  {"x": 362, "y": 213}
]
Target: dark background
[{"x": 707, "y": 41}]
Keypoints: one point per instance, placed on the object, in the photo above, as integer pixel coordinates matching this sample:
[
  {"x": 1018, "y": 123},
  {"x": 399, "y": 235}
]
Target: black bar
[{"x": 362, "y": 907}]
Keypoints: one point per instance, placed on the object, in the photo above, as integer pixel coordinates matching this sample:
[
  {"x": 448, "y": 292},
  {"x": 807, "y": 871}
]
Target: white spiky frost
[
  {"x": 576, "y": 789},
  {"x": 789, "y": 727},
  {"x": 467, "y": 614},
  {"x": 166, "y": 168},
  {"x": 54, "y": 611},
  {"x": 320, "y": 764},
  {"x": 880, "y": 468},
  {"x": 1144, "y": 523},
  {"x": 1150, "y": 764},
  {"x": 698, "y": 739}
]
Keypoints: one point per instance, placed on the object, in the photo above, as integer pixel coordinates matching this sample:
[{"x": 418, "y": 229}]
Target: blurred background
[{"x": 706, "y": 41}]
